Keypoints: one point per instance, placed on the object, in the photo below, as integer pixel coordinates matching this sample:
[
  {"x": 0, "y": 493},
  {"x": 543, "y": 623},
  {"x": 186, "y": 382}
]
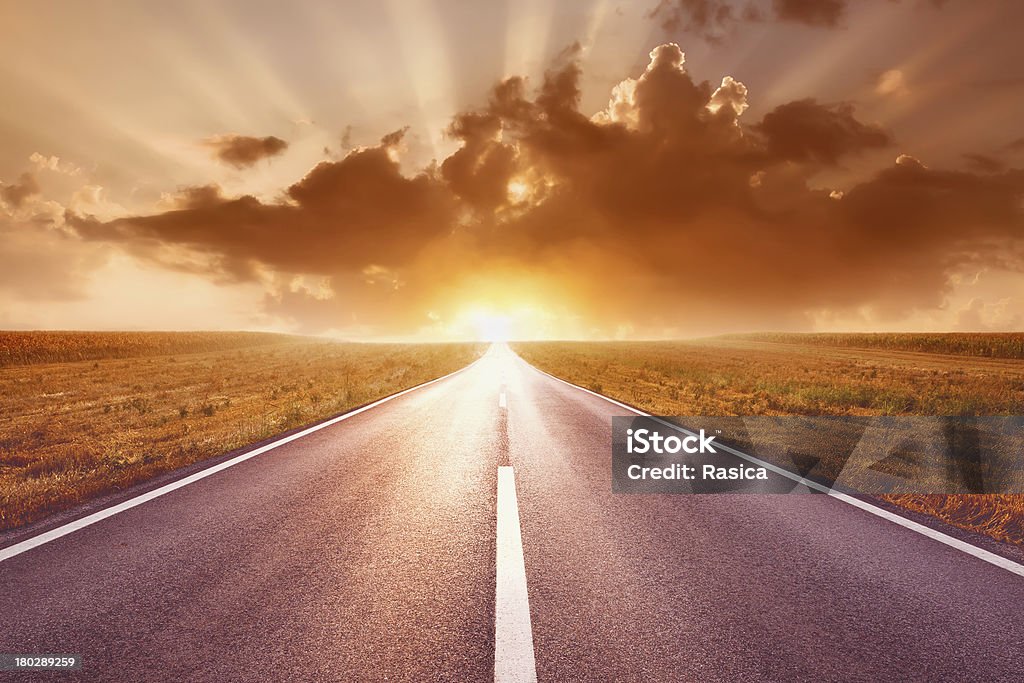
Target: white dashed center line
[{"x": 513, "y": 634}]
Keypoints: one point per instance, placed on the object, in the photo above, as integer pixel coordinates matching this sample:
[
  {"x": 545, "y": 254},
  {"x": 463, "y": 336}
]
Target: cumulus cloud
[
  {"x": 195, "y": 197},
  {"x": 94, "y": 200},
  {"x": 732, "y": 94},
  {"x": 54, "y": 163},
  {"x": 341, "y": 215},
  {"x": 242, "y": 151},
  {"x": 480, "y": 171},
  {"x": 665, "y": 211},
  {"x": 15, "y": 194},
  {"x": 808, "y": 131}
]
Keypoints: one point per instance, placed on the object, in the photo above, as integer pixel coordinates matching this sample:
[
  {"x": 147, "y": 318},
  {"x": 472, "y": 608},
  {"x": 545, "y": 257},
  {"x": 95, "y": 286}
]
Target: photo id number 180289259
[{"x": 39, "y": 662}]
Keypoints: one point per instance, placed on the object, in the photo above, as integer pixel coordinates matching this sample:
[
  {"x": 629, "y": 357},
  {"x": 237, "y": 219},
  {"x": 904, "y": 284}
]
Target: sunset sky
[{"x": 441, "y": 169}]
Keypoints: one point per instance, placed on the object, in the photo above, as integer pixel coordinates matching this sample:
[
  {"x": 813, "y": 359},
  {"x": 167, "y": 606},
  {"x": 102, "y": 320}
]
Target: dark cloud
[
  {"x": 15, "y": 194},
  {"x": 479, "y": 172},
  {"x": 242, "y": 151},
  {"x": 198, "y": 197},
  {"x": 343, "y": 214},
  {"x": 666, "y": 211},
  {"x": 708, "y": 18},
  {"x": 808, "y": 131},
  {"x": 713, "y": 19},
  {"x": 810, "y": 12}
]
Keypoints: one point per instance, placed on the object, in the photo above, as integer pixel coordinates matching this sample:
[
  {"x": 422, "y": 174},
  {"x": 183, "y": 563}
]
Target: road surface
[{"x": 367, "y": 550}]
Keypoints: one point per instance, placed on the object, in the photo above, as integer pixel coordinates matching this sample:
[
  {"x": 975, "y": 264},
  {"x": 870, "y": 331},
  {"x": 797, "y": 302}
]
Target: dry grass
[
  {"x": 72, "y": 431},
  {"x": 814, "y": 375},
  {"x": 989, "y": 345},
  {"x": 24, "y": 348}
]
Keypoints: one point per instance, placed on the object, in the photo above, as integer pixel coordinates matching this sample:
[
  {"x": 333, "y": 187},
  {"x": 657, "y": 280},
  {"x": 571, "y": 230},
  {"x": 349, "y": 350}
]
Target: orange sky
[{"x": 533, "y": 169}]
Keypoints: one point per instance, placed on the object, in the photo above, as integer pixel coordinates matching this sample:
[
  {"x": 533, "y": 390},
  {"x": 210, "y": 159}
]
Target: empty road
[{"x": 387, "y": 546}]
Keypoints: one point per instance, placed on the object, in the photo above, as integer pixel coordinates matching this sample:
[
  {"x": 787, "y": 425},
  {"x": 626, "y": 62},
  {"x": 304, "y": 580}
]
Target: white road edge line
[
  {"x": 973, "y": 550},
  {"x": 502, "y": 400},
  {"x": 513, "y": 634},
  {"x": 65, "y": 529}
]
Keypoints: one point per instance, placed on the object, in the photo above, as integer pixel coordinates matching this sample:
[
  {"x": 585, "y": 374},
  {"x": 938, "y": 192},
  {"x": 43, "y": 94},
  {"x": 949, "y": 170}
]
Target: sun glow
[
  {"x": 493, "y": 322},
  {"x": 518, "y": 191},
  {"x": 490, "y": 326}
]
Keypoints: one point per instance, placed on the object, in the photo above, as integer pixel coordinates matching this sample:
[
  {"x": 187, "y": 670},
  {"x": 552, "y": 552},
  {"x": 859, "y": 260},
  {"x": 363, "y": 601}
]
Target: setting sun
[
  {"x": 490, "y": 326},
  {"x": 497, "y": 319}
]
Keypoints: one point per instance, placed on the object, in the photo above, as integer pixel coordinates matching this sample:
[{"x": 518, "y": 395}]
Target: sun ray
[
  {"x": 526, "y": 36},
  {"x": 423, "y": 45},
  {"x": 251, "y": 61}
]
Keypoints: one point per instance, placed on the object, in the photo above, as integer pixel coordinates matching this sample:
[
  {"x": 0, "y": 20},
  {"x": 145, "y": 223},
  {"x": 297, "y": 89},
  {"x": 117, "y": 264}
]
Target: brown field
[
  {"x": 24, "y": 348},
  {"x": 816, "y": 375},
  {"x": 71, "y": 431},
  {"x": 990, "y": 345}
]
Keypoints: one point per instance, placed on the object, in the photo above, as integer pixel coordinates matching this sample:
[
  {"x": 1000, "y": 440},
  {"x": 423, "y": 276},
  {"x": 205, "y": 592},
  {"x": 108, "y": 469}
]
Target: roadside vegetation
[
  {"x": 94, "y": 423},
  {"x": 24, "y": 348},
  {"x": 856, "y": 374},
  {"x": 987, "y": 345}
]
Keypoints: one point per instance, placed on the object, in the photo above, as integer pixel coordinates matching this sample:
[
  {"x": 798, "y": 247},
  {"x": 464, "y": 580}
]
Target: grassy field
[
  {"x": 74, "y": 430},
  {"x": 816, "y": 375},
  {"x": 986, "y": 345},
  {"x": 25, "y": 348}
]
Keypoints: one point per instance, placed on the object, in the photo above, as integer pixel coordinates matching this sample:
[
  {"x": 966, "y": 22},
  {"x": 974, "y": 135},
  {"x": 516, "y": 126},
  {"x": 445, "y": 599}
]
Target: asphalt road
[{"x": 367, "y": 551}]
